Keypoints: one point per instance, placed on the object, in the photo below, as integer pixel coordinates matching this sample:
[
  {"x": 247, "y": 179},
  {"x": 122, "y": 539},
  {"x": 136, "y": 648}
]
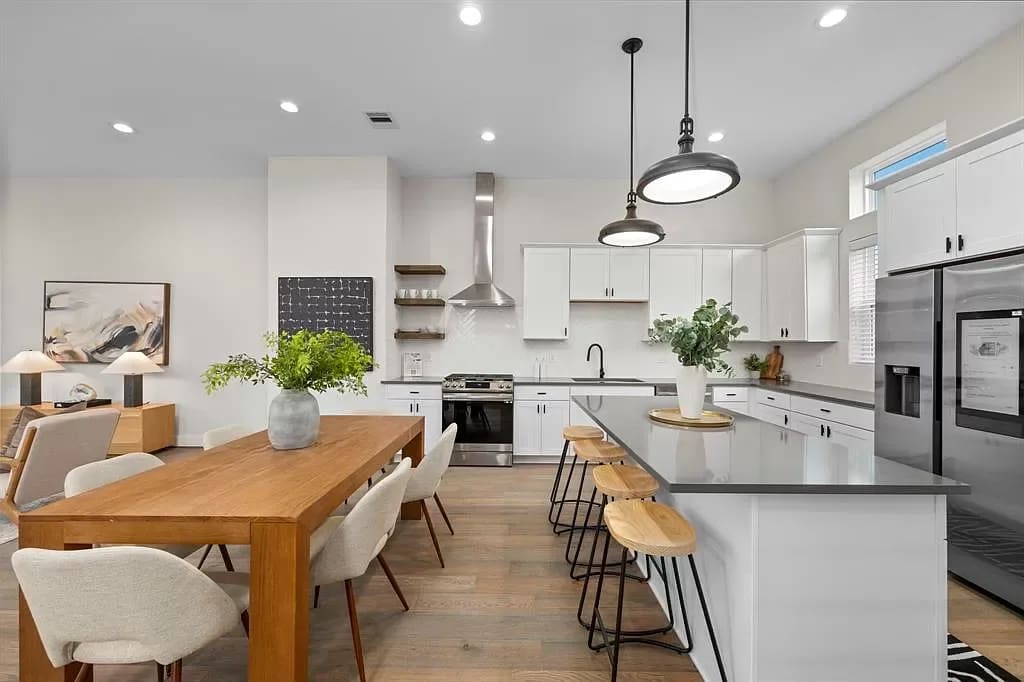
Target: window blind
[{"x": 863, "y": 271}]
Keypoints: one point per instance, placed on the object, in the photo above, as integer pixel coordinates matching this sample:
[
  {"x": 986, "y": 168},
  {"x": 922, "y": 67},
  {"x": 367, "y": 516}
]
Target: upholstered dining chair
[
  {"x": 125, "y": 604},
  {"x": 343, "y": 547},
  {"x": 50, "y": 448},
  {"x": 426, "y": 478},
  {"x": 96, "y": 474},
  {"x": 224, "y": 434}
]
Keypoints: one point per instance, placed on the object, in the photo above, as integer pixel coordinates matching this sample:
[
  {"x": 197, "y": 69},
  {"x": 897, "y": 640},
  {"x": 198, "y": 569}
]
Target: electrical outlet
[{"x": 821, "y": 360}]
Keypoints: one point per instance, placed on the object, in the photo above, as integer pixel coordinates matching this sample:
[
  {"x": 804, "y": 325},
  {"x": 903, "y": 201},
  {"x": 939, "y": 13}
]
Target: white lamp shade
[
  {"x": 31, "y": 362},
  {"x": 133, "y": 362}
]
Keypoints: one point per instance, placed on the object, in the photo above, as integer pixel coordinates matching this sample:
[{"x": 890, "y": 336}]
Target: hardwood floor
[{"x": 502, "y": 611}]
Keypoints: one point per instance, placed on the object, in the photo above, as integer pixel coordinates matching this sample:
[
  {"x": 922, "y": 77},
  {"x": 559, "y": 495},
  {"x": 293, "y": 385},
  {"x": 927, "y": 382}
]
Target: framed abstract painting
[{"x": 98, "y": 321}]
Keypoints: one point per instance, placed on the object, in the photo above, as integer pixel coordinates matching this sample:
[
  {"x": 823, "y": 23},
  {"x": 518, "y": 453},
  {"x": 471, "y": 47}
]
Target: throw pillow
[{"x": 13, "y": 438}]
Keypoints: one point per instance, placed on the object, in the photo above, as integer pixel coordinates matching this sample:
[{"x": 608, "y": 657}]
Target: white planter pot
[
  {"x": 691, "y": 382},
  {"x": 294, "y": 420},
  {"x": 755, "y": 374}
]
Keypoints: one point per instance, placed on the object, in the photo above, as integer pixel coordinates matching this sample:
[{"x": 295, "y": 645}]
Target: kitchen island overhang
[{"x": 822, "y": 562}]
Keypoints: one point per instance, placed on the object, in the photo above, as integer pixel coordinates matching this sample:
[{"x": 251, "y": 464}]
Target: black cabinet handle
[
  {"x": 785, "y": 419},
  {"x": 613, "y": 291},
  {"x": 542, "y": 392},
  {"x": 828, "y": 430},
  {"x": 606, "y": 291},
  {"x": 949, "y": 244},
  {"x": 538, "y": 409},
  {"x": 731, "y": 395},
  {"x": 410, "y": 408},
  {"x": 770, "y": 397},
  {"x": 567, "y": 331},
  {"x": 822, "y": 429},
  {"x": 417, "y": 408},
  {"x": 959, "y": 242},
  {"x": 545, "y": 409},
  {"x": 825, "y": 411},
  {"x": 781, "y": 332},
  {"x": 787, "y": 332}
]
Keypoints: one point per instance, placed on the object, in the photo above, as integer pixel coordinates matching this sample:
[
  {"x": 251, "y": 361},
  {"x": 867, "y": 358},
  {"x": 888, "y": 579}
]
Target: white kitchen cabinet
[
  {"x": 604, "y": 274},
  {"x": 554, "y": 418},
  {"x": 802, "y": 287},
  {"x": 716, "y": 275},
  {"x": 772, "y": 415},
  {"x": 748, "y": 290},
  {"x": 918, "y": 217},
  {"x": 538, "y": 426},
  {"x": 990, "y": 197},
  {"x": 545, "y": 293},
  {"x": 842, "y": 434},
  {"x": 675, "y": 281},
  {"x": 430, "y": 410}
]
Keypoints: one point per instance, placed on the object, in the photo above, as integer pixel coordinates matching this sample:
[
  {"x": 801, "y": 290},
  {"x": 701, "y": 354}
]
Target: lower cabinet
[
  {"x": 843, "y": 434},
  {"x": 430, "y": 410},
  {"x": 538, "y": 426}
]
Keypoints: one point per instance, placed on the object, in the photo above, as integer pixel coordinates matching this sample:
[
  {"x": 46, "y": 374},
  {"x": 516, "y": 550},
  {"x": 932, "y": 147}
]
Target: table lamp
[
  {"x": 30, "y": 364},
  {"x": 133, "y": 365}
]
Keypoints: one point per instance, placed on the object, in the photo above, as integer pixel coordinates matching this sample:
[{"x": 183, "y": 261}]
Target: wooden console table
[{"x": 140, "y": 429}]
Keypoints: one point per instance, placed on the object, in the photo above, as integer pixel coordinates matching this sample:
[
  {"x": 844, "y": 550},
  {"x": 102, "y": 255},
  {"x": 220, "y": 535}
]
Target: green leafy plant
[
  {"x": 753, "y": 363},
  {"x": 701, "y": 339},
  {"x": 304, "y": 360}
]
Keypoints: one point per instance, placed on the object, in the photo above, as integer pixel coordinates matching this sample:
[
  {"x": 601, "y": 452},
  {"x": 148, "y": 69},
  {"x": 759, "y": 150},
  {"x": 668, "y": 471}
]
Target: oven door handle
[{"x": 476, "y": 398}]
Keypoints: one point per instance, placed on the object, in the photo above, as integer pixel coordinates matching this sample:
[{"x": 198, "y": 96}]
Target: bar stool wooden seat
[
  {"x": 657, "y": 530},
  {"x": 596, "y": 452},
  {"x": 573, "y": 433}
]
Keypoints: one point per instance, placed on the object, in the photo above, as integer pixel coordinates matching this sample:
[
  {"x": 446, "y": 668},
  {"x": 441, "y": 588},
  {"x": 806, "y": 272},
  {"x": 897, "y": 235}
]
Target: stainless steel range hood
[{"x": 482, "y": 293}]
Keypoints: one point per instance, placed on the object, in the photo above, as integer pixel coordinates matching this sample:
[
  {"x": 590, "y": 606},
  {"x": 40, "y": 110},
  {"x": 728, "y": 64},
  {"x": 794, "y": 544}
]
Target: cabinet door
[
  {"x": 748, "y": 290},
  {"x": 675, "y": 282},
  {"x": 772, "y": 415},
  {"x": 554, "y": 416},
  {"x": 784, "y": 289},
  {"x": 989, "y": 197},
  {"x": 809, "y": 426},
  {"x": 850, "y": 436},
  {"x": 918, "y": 217},
  {"x": 588, "y": 274},
  {"x": 430, "y": 410},
  {"x": 545, "y": 293},
  {"x": 527, "y": 427},
  {"x": 401, "y": 406},
  {"x": 716, "y": 275},
  {"x": 628, "y": 278}
]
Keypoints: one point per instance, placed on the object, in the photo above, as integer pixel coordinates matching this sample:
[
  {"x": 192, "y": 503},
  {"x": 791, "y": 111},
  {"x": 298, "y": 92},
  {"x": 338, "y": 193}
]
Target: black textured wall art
[{"x": 321, "y": 303}]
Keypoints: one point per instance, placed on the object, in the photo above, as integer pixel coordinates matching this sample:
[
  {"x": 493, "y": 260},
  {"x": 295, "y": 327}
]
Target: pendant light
[
  {"x": 631, "y": 231},
  {"x": 688, "y": 176}
]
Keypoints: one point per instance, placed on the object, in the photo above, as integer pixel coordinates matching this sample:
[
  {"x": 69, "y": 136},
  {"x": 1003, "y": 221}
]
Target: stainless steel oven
[{"x": 481, "y": 405}]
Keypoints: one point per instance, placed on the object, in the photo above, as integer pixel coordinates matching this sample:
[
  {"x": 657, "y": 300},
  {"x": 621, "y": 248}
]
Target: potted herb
[
  {"x": 298, "y": 363},
  {"x": 699, "y": 343},
  {"x": 754, "y": 365}
]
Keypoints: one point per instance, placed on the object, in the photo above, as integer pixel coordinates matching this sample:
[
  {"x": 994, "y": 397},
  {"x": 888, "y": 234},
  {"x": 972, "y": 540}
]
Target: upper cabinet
[
  {"x": 675, "y": 281},
  {"x": 968, "y": 205},
  {"x": 802, "y": 287},
  {"x": 606, "y": 274},
  {"x": 545, "y": 293},
  {"x": 748, "y": 291}
]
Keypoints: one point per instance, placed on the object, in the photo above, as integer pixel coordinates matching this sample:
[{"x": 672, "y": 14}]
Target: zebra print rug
[{"x": 967, "y": 665}]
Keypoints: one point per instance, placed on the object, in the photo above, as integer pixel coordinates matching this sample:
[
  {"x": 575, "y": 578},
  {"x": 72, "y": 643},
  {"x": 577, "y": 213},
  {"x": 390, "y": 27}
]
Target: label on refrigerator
[{"x": 989, "y": 358}]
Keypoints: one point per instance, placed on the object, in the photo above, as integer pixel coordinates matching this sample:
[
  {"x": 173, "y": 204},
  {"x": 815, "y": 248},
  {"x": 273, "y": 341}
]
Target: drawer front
[
  {"x": 843, "y": 414},
  {"x": 542, "y": 392},
  {"x": 772, "y": 415},
  {"x": 729, "y": 394},
  {"x": 773, "y": 398},
  {"x": 612, "y": 390},
  {"x": 412, "y": 391}
]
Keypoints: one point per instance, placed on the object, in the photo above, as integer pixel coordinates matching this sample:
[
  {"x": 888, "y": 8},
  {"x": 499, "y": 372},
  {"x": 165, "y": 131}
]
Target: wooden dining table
[{"x": 241, "y": 493}]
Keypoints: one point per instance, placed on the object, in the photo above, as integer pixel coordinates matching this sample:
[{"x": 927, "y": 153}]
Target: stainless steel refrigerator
[{"x": 949, "y": 398}]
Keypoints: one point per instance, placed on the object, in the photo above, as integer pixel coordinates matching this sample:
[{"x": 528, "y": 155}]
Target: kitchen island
[{"x": 821, "y": 562}]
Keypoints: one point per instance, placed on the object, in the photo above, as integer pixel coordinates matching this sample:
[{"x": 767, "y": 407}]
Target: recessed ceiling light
[
  {"x": 122, "y": 127},
  {"x": 290, "y": 107},
  {"x": 832, "y": 17},
  {"x": 487, "y": 136},
  {"x": 716, "y": 136},
  {"x": 470, "y": 15}
]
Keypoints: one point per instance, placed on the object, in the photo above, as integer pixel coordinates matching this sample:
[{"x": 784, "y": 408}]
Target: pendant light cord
[
  {"x": 632, "y": 194},
  {"x": 686, "y": 125}
]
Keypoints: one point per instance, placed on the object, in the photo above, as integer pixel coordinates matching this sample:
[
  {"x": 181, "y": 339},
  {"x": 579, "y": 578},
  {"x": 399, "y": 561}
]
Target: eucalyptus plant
[
  {"x": 701, "y": 339},
  {"x": 753, "y": 363},
  {"x": 315, "y": 361}
]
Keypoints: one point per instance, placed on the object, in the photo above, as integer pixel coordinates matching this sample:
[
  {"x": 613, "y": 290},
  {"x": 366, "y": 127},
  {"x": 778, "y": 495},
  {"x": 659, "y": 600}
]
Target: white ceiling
[{"x": 201, "y": 80}]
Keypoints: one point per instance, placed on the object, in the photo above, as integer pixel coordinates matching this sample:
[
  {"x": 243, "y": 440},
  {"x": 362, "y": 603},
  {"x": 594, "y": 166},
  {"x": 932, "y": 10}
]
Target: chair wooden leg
[
  {"x": 245, "y": 622},
  {"x": 159, "y": 672},
  {"x": 206, "y": 553},
  {"x": 394, "y": 583},
  {"x": 357, "y": 643},
  {"x": 83, "y": 672},
  {"x": 226, "y": 557},
  {"x": 444, "y": 514},
  {"x": 176, "y": 671},
  {"x": 433, "y": 535},
  {"x": 316, "y": 596}
]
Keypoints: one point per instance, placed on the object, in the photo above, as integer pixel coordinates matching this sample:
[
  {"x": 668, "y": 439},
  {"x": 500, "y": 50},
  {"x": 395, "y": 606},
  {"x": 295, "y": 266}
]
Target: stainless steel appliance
[
  {"x": 949, "y": 398},
  {"x": 481, "y": 405}
]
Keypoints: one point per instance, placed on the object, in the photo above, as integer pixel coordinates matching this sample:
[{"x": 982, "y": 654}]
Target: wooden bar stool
[
  {"x": 570, "y": 434},
  {"x": 657, "y": 530}
]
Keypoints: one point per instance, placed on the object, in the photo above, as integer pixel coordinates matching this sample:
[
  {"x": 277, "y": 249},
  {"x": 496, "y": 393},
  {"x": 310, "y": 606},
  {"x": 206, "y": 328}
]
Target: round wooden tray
[{"x": 708, "y": 420}]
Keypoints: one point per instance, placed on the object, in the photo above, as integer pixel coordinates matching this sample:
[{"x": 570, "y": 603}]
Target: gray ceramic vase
[{"x": 294, "y": 420}]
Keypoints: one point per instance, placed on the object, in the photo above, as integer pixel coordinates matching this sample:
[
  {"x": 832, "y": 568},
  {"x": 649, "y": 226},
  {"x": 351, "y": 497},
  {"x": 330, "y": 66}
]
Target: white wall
[
  {"x": 204, "y": 236},
  {"x": 437, "y": 227},
  {"x": 982, "y": 92}
]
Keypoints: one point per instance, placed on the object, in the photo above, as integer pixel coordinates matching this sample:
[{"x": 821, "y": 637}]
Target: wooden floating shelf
[
  {"x": 420, "y": 301},
  {"x": 423, "y": 336},
  {"x": 420, "y": 270}
]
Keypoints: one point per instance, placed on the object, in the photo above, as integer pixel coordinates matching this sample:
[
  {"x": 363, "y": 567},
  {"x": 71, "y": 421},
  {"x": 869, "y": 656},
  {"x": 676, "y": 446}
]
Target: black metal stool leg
[
  {"x": 707, "y": 618},
  {"x": 618, "y": 616},
  {"x": 688, "y": 645},
  {"x": 561, "y": 501},
  {"x": 558, "y": 479},
  {"x": 576, "y": 513}
]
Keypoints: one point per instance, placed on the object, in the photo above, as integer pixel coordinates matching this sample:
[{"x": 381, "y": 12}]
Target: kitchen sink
[{"x": 607, "y": 380}]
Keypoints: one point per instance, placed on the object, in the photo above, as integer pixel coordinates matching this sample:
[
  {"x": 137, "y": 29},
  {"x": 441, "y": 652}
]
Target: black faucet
[{"x": 597, "y": 346}]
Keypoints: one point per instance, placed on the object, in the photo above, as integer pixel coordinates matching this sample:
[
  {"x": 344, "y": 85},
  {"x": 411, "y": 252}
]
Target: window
[
  {"x": 918, "y": 148},
  {"x": 863, "y": 271}
]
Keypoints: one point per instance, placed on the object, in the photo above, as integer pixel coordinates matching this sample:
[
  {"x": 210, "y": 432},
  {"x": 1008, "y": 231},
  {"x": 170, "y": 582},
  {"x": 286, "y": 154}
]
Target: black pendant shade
[
  {"x": 688, "y": 176},
  {"x": 631, "y": 231}
]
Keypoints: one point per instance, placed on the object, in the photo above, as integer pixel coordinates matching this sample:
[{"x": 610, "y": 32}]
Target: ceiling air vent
[{"x": 381, "y": 119}]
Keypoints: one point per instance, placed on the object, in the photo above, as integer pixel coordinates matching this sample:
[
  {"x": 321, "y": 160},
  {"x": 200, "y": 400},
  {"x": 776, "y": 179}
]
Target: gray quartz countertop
[{"x": 753, "y": 457}]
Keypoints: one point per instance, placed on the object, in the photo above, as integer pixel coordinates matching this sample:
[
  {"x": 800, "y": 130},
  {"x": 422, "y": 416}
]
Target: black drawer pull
[
  {"x": 770, "y": 397},
  {"x": 732, "y": 395},
  {"x": 825, "y": 411}
]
